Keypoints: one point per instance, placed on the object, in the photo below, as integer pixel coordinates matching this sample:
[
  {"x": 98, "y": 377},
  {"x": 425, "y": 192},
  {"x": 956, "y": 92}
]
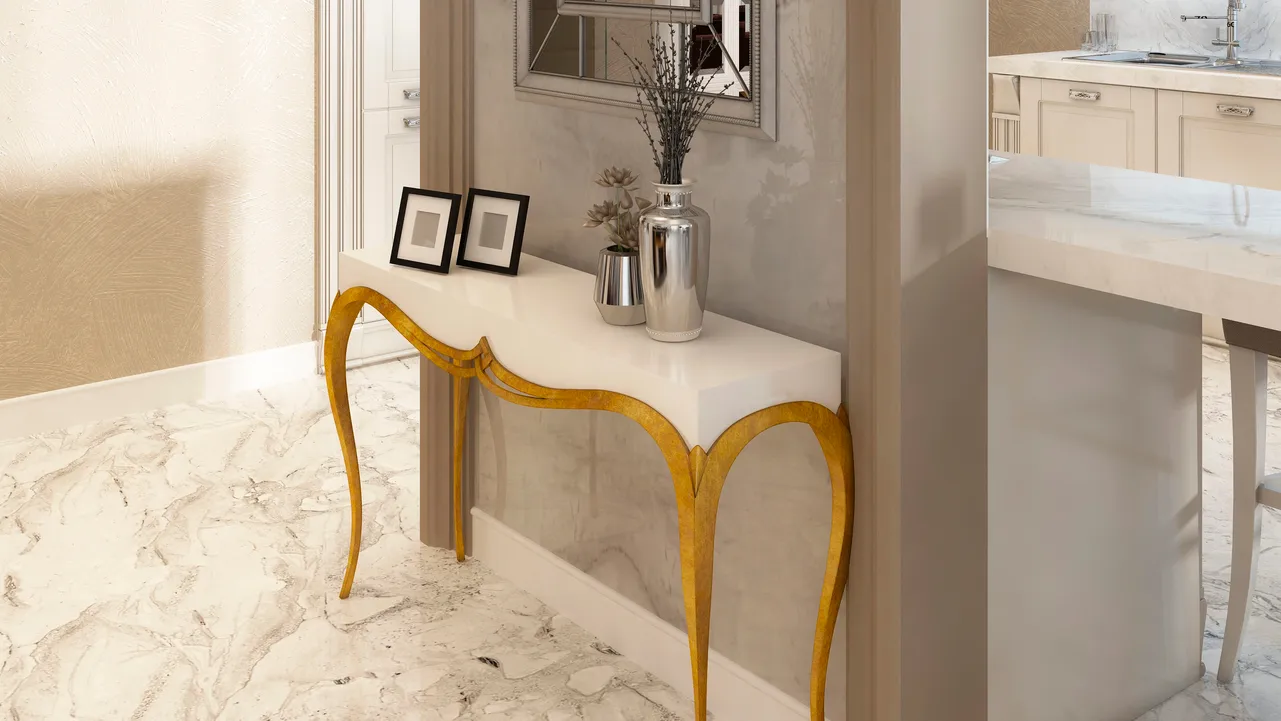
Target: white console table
[{"x": 702, "y": 402}]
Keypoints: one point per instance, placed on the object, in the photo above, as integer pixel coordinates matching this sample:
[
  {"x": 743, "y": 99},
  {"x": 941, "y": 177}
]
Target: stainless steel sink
[
  {"x": 1189, "y": 62},
  {"x": 1149, "y": 58}
]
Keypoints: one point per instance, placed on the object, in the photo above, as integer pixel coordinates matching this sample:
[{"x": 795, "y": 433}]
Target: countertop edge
[{"x": 1053, "y": 66}]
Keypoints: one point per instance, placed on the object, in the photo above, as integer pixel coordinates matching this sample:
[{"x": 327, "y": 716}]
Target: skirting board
[
  {"x": 370, "y": 342},
  {"x": 733, "y": 692},
  {"x": 55, "y": 410}
]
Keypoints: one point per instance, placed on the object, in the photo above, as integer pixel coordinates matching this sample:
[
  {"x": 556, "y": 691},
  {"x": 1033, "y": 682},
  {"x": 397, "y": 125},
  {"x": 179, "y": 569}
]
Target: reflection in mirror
[
  {"x": 595, "y": 48},
  {"x": 681, "y": 11},
  {"x": 694, "y": 4}
]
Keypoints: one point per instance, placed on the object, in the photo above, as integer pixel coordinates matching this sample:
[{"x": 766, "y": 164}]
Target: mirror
[
  {"x": 675, "y": 11},
  {"x": 580, "y": 60},
  {"x": 596, "y": 48}
]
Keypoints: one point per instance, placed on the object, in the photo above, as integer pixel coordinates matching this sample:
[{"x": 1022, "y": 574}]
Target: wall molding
[
  {"x": 642, "y": 637},
  {"x": 446, "y": 40},
  {"x": 210, "y": 380},
  {"x": 338, "y": 119}
]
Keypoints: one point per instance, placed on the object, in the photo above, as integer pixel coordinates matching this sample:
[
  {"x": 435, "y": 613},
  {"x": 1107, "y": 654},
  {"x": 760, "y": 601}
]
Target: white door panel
[
  {"x": 391, "y": 53},
  {"x": 390, "y": 163}
]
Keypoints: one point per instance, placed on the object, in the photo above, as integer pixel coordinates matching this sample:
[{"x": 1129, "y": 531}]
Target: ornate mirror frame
[{"x": 756, "y": 118}]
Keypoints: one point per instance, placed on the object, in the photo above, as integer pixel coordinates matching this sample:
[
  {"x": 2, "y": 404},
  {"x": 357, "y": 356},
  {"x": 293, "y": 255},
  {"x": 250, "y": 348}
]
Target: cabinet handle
[
  {"x": 413, "y": 122},
  {"x": 1083, "y": 95},
  {"x": 411, "y": 94},
  {"x": 1239, "y": 111}
]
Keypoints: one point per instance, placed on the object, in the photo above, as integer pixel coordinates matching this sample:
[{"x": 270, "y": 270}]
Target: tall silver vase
[
  {"x": 618, "y": 287},
  {"x": 675, "y": 255}
]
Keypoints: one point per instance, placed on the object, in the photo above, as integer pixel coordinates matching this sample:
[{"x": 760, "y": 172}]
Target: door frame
[{"x": 338, "y": 128}]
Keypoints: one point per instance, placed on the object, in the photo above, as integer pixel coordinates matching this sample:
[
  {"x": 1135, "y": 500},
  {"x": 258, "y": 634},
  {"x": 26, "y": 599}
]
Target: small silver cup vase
[
  {"x": 675, "y": 255},
  {"x": 618, "y": 287}
]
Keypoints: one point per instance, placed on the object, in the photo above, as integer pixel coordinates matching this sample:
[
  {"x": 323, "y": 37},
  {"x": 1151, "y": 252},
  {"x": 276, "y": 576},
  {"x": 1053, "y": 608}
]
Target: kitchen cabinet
[
  {"x": 1176, "y": 122},
  {"x": 1089, "y": 123},
  {"x": 1219, "y": 137}
]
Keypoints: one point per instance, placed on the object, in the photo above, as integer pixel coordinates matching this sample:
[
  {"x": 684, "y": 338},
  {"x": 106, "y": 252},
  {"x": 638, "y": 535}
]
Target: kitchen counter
[
  {"x": 1195, "y": 245},
  {"x": 1098, "y": 279},
  {"x": 1054, "y": 67}
]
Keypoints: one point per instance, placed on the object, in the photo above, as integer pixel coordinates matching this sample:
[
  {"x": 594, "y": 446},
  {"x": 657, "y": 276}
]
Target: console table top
[{"x": 544, "y": 325}]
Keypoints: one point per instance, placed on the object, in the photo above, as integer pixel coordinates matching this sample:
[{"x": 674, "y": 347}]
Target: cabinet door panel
[
  {"x": 390, "y": 162},
  {"x": 390, "y": 53},
  {"x": 1223, "y": 138},
  {"x": 1099, "y": 136},
  {"x": 1089, "y": 123}
]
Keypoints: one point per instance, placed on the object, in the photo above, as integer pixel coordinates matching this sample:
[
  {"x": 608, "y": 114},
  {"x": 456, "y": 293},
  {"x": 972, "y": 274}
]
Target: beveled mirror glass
[
  {"x": 582, "y": 57},
  {"x": 680, "y": 11}
]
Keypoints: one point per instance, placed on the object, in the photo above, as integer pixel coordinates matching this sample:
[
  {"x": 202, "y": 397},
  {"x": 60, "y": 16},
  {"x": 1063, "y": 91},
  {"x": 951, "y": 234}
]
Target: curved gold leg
[
  {"x": 342, "y": 316},
  {"x": 832, "y": 431},
  {"x": 697, "y": 517},
  {"x": 461, "y": 386}
]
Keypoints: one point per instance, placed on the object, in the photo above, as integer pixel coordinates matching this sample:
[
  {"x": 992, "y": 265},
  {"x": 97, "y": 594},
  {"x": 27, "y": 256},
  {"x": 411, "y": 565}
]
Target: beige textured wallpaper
[
  {"x": 156, "y": 185},
  {"x": 592, "y": 487},
  {"x": 1036, "y": 26}
]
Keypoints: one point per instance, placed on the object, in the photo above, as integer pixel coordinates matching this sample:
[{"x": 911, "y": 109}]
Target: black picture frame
[
  {"x": 514, "y": 265},
  {"x": 451, "y": 230}
]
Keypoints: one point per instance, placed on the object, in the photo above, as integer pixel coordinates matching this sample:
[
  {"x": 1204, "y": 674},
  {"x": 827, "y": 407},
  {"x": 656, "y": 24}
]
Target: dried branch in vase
[
  {"x": 620, "y": 216},
  {"x": 675, "y": 95}
]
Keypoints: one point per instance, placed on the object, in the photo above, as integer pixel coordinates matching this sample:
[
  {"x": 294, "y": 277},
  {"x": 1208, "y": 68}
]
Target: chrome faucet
[{"x": 1230, "y": 42}]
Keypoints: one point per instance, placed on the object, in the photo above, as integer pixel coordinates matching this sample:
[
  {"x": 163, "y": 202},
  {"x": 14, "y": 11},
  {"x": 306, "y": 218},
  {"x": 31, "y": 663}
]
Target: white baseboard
[
  {"x": 54, "y": 410},
  {"x": 371, "y": 342},
  {"x": 734, "y": 693}
]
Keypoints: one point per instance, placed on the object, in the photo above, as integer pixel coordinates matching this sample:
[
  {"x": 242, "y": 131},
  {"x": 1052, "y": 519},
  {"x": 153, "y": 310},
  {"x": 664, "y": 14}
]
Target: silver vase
[
  {"x": 618, "y": 287},
  {"x": 675, "y": 255}
]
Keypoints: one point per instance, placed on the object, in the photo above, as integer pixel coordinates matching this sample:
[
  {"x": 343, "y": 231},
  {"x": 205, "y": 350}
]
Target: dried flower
[
  {"x": 619, "y": 216},
  {"x": 616, "y": 178},
  {"x": 675, "y": 94}
]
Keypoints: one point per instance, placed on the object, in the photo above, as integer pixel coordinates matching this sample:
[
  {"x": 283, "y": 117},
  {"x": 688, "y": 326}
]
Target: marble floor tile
[{"x": 184, "y": 563}]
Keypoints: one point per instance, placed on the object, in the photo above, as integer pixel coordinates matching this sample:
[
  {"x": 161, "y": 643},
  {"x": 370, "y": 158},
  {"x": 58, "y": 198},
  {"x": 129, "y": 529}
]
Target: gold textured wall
[
  {"x": 156, "y": 185},
  {"x": 1035, "y": 26}
]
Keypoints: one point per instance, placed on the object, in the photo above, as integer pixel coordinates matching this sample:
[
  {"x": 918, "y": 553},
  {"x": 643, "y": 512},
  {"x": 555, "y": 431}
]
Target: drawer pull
[
  {"x": 413, "y": 122},
  {"x": 1083, "y": 95},
  {"x": 411, "y": 94},
  {"x": 1239, "y": 111}
]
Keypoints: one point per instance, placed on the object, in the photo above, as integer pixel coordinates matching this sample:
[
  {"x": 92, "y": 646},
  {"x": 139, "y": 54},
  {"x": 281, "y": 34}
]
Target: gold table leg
[
  {"x": 461, "y": 386},
  {"x": 341, "y": 319},
  {"x": 698, "y": 476}
]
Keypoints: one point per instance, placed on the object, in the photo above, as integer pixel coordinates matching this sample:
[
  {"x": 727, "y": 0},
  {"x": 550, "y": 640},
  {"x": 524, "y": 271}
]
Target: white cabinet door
[
  {"x": 1089, "y": 123},
  {"x": 390, "y": 163},
  {"x": 1220, "y": 137},
  {"x": 390, "y": 57}
]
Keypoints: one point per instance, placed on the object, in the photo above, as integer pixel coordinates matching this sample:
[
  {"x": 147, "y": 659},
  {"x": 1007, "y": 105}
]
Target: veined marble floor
[{"x": 183, "y": 564}]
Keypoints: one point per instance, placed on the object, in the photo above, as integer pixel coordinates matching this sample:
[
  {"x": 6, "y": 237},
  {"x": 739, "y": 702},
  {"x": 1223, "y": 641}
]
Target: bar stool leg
[{"x": 1249, "y": 429}]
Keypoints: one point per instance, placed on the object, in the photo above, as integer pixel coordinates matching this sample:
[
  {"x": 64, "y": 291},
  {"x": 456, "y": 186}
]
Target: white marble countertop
[
  {"x": 1200, "y": 246},
  {"x": 1054, "y": 66},
  {"x": 543, "y": 326}
]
